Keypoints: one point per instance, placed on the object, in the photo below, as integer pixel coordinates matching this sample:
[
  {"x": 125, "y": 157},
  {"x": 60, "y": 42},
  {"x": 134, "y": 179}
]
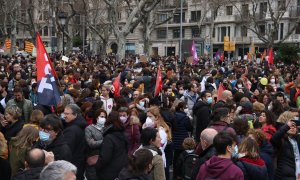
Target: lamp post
[
  {"x": 62, "y": 17},
  {"x": 180, "y": 42}
]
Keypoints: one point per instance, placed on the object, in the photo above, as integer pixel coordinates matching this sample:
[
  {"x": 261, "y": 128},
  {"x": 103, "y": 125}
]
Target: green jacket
[
  {"x": 16, "y": 157},
  {"x": 26, "y": 110}
]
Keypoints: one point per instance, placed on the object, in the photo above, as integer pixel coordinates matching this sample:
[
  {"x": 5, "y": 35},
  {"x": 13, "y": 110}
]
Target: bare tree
[
  {"x": 137, "y": 10},
  {"x": 264, "y": 18}
]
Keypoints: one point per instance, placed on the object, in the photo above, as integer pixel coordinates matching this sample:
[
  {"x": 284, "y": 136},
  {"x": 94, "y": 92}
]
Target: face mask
[
  {"x": 272, "y": 81},
  {"x": 239, "y": 86},
  {"x": 142, "y": 103},
  {"x": 149, "y": 123},
  {"x": 123, "y": 119},
  {"x": 101, "y": 121},
  {"x": 186, "y": 110},
  {"x": 181, "y": 91},
  {"x": 129, "y": 96},
  {"x": 209, "y": 100},
  {"x": 235, "y": 152},
  {"x": 44, "y": 136}
]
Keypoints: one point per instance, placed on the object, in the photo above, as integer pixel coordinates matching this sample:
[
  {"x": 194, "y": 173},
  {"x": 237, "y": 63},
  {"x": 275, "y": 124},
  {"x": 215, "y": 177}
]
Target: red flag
[
  {"x": 271, "y": 57},
  {"x": 48, "y": 93},
  {"x": 222, "y": 57},
  {"x": 116, "y": 85},
  {"x": 263, "y": 55},
  {"x": 159, "y": 84},
  {"x": 42, "y": 54},
  {"x": 220, "y": 91}
]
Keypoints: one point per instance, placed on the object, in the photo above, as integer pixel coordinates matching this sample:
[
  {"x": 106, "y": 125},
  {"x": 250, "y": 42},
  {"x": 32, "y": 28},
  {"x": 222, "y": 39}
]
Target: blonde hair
[
  {"x": 36, "y": 116},
  {"x": 26, "y": 137},
  {"x": 250, "y": 147},
  {"x": 14, "y": 111},
  {"x": 257, "y": 106},
  {"x": 285, "y": 117},
  {"x": 161, "y": 122}
]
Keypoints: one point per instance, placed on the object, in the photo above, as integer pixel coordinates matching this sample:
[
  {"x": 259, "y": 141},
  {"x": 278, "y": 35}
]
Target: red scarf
[{"x": 258, "y": 162}]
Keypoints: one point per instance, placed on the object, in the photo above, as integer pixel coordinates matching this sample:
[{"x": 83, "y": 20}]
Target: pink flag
[{"x": 194, "y": 53}]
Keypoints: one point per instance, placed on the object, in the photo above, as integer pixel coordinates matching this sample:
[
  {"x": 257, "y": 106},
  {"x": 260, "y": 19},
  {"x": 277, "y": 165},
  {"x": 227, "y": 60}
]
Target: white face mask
[
  {"x": 101, "y": 121},
  {"x": 186, "y": 110},
  {"x": 149, "y": 123},
  {"x": 272, "y": 81},
  {"x": 239, "y": 86},
  {"x": 123, "y": 119},
  {"x": 181, "y": 91}
]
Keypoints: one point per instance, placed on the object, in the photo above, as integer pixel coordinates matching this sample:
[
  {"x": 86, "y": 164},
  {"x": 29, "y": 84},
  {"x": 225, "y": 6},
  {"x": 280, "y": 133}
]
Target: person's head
[
  {"x": 224, "y": 144},
  {"x": 18, "y": 76},
  {"x": 62, "y": 170},
  {"x": 17, "y": 67},
  {"x": 18, "y": 94},
  {"x": 258, "y": 107},
  {"x": 249, "y": 148},
  {"x": 114, "y": 119},
  {"x": 36, "y": 116},
  {"x": 105, "y": 90},
  {"x": 26, "y": 137},
  {"x": 264, "y": 98},
  {"x": 226, "y": 95},
  {"x": 3, "y": 86},
  {"x": 280, "y": 97},
  {"x": 123, "y": 113},
  {"x": 180, "y": 106},
  {"x": 206, "y": 97},
  {"x": 150, "y": 136},
  {"x": 35, "y": 158},
  {"x": 258, "y": 135},
  {"x": 141, "y": 162},
  {"x": 285, "y": 117},
  {"x": 222, "y": 114},
  {"x": 136, "y": 94},
  {"x": 241, "y": 126},
  {"x": 71, "y": 112},
  {"x": 266, "y": 118},
  {"x": 99, "y": 115},
  {"x": 207, "y": 137},
  {"x": 12, "y": 113},
  {"x": 50, "y": 127},
  {"x": 189, "y": 144},
  {"x": 194, "y": 88}
]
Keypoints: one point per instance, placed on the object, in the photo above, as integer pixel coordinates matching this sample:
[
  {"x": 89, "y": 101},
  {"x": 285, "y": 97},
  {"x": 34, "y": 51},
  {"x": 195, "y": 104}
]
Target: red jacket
[{"x": 132, "y": 132}]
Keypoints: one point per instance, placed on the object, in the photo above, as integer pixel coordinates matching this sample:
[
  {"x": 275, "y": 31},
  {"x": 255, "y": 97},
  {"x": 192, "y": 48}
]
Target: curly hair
[
  {"x": 241, "y": 126},
  {"x": 258, "y": 135}
]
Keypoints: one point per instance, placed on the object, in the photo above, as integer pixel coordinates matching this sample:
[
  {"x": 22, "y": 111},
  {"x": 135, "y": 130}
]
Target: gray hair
[
  {"x": 75, "y": 108},
  {"x": 56, "y": 170}
]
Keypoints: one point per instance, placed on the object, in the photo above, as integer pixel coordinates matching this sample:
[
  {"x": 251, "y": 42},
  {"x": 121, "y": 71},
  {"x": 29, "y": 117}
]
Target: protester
[
  {"x": 267, "y": 122},
  {"x": 59, "y": 170},
  {"x": 221, "y": 120}
]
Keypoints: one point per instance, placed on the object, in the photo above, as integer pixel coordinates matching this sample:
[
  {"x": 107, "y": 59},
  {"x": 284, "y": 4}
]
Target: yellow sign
[{"x": 228, "y": 45}]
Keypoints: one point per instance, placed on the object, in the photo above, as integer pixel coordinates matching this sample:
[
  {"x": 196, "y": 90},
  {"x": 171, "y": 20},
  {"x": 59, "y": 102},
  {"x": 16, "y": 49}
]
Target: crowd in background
[{"x": 212, "y": 120}]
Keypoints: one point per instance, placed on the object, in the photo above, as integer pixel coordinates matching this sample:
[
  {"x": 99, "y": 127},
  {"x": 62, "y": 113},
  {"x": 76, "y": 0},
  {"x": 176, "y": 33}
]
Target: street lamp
[{"x": 63, "y": 17}]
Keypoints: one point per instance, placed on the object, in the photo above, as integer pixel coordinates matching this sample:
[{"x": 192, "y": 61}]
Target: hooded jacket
[
  {"x": 75, "y": 138},
  {"x": 201, "y": 112},
  {"x": 113, "y": 154},
  {"x": 219, "y": 168},
  {"x": 181, "y": 129},
  {"x": 126, "y": 174},
  {"x": 253, "y": 168}
]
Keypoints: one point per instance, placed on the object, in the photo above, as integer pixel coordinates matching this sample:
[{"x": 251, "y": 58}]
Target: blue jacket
[{"x": 181, "y": 128}]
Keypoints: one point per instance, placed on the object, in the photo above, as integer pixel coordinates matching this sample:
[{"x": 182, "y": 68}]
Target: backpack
[{"x": 189, "y": 163}]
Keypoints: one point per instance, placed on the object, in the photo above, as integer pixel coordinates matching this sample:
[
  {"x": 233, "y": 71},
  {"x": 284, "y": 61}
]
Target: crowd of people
[{"x": 212, "y": 120}]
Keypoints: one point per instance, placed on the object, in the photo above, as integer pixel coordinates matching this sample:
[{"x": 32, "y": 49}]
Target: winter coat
[
  {"x": 112, "y": 155},
  {"x": 190, "y": 100},
  {"x": 222, "y": 126},
  {"x": 94, "y": 139},
  {"x": 219, "y": 168},
  {"x": 285, "y": 154},
  {"x": 29, "y": 174},
  {"x": 132, "y": 132},
  {"x": 16, "y": 156},
  {"x": 75, "y": 138},
  {"x": 25, "y": 106},
  {"x": 181, "y": 129},
  {"x": 180, "y": 161},
  {"x": 269, "y": 130},
  {"x": 253, "y": 168},
  {"x": 12, "y": 130},
  {"x": 158, "y": 172},
  {"x": 126, "y": 174},
  {"x": 201, "y": 112},
  {"x": 266, "y": 153},
  {"x": 203, "y": 157},
  {"x": 5, "y": 170},
  {"x": 58, "y": 146}
]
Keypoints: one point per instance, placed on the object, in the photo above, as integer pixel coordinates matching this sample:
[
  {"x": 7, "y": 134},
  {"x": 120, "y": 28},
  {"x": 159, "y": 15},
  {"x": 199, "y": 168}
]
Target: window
[
  {"x": 161, "y": 34},
  {"x": 119, "y": 16},
  {"x": 45, "y": 31},
  {"x": 263, "y": 10},
  {"x": 195, "y": 16},
  {"x": 281, "y": 5},
  {"x": 262, "y": 29},
  {"x": 214, "y": 32},
  {"x": 176, "y": 33},
  {"x": 228, "y": 10},
  {"x": 244, "y": 31},
  {"x": 176, "y": 17},
  {"x": 162, "y": 17},
  {"x": 245, "y": 10},
  {"x": 281, "y": 30},
  {"x": 130, "y": 48},
  {"x": 53, "y": 31},
  {"x": 298, "y": 29},
  {"x": 195, "y": 32}
]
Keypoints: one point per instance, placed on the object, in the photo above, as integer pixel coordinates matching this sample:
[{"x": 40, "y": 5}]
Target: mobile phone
[{"x": 297, "y": 122}]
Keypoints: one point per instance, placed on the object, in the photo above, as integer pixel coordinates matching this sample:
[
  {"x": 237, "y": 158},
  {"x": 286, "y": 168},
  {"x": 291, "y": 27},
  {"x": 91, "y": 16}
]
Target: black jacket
[
  {"x": 255, "y": 170},
  {"x": 266, "y": 152},
  {"x": 181, "y": 129},
  {"x": 5, "y": 170},
  {"x": 126, "y": 174},
  {"x": 285, "y": 154},
  {"x": 30, "y": 174},
  {"x": 201, "y": 112},
  {"x": 204, "y": 156},
  {"x": 59, "y": 148},
  {"x": 113, "y": 154},
  {"x": 12, "y": 130},
  {"x": 75, "y": 138}
]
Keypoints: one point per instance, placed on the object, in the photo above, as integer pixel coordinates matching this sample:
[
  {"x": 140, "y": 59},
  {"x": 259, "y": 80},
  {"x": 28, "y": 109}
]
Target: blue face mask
[
  {"x": 142, "y": 103},
  {"x": 44, "y": 136},
  {"x": 235, "y": 153},
  {"x": 209, "y": 100}
]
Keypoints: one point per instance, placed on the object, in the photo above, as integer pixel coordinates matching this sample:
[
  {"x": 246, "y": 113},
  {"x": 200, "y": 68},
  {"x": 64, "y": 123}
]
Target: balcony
[
  {"x": 294, "y": 12},
  {"x": 242, "y": 40},
  {"x": 224, "y": 19}
]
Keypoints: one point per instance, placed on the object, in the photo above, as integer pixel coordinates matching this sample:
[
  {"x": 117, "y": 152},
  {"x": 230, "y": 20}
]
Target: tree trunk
[
  {"x": 121, "y": 46},
  {"x": 13, "y": 37},
  {"x": 103, "y": 50},
  {"x": 94, "y": 44},
  {"x": 69, "y": 45},
  {"x": 212, "y": 24}
]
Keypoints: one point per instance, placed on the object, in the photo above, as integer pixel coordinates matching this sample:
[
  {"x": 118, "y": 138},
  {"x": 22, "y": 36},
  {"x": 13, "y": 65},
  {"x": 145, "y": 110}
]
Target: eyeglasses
[{"x": 46, "y": 130}]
